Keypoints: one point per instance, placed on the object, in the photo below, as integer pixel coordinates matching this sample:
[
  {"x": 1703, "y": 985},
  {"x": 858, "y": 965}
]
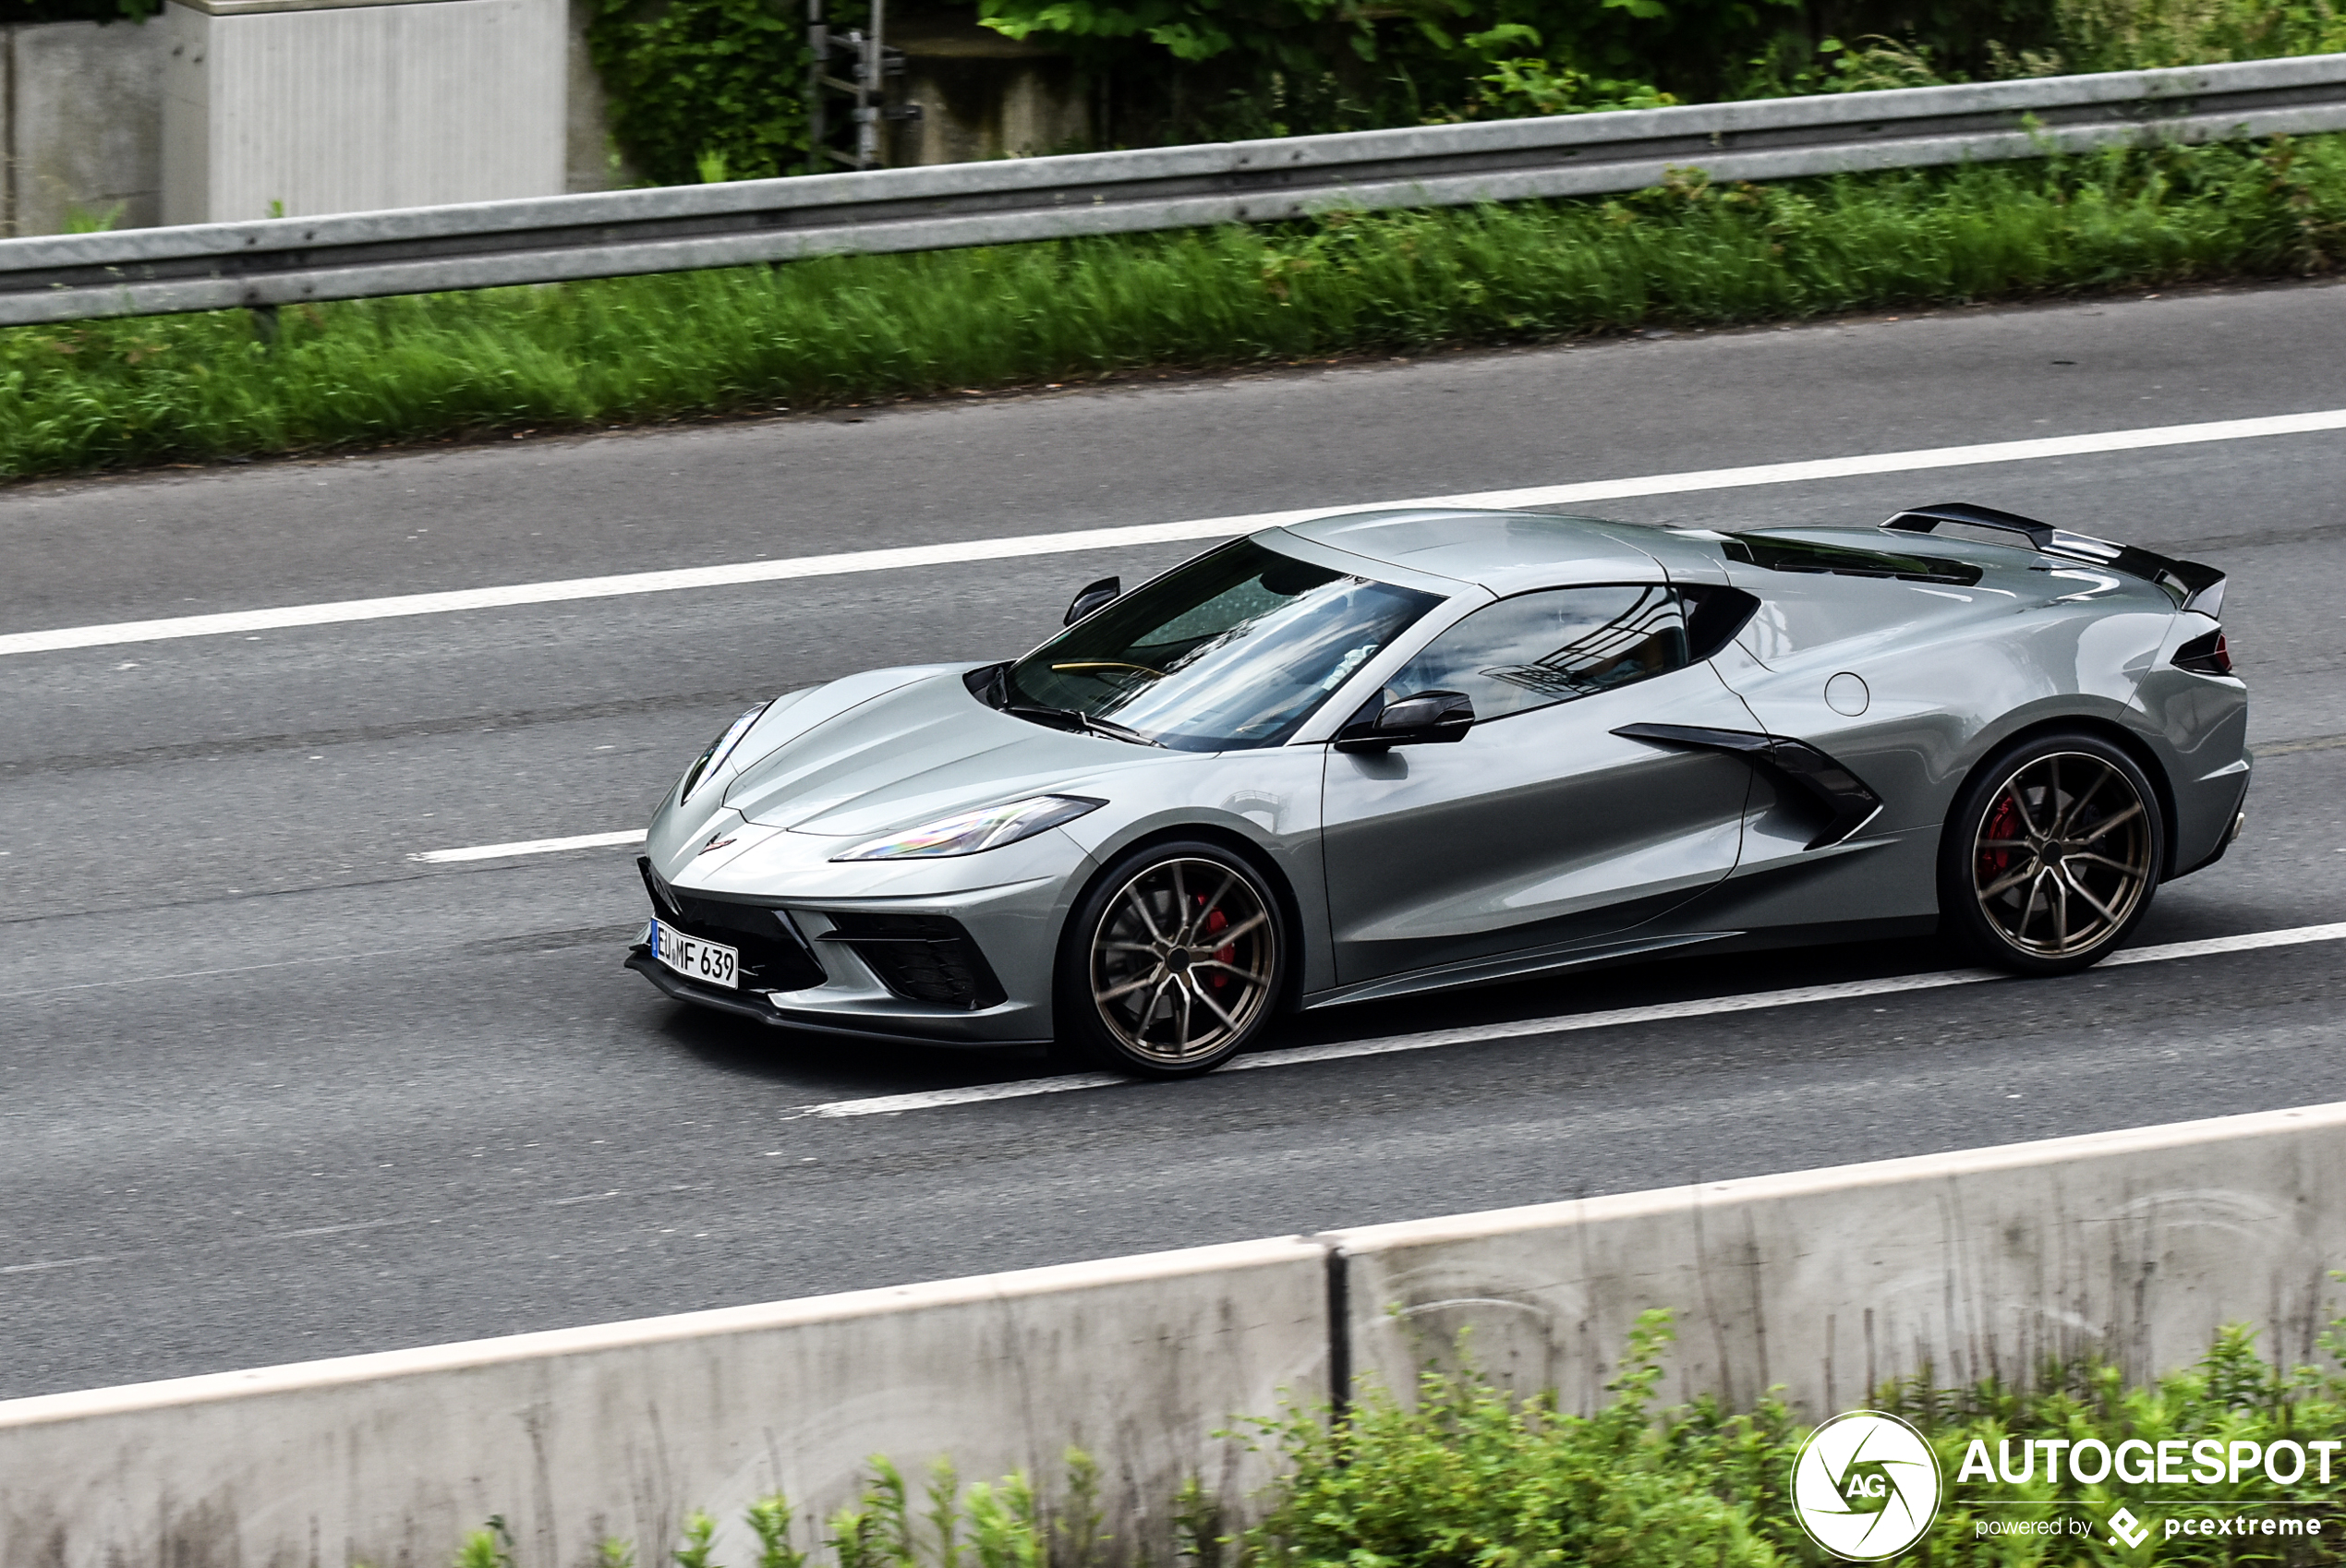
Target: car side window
[{"x": 1538, "y": 649}]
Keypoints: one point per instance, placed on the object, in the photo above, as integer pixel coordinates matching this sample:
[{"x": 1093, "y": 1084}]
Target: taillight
[{"x": 2206, "y": 655}]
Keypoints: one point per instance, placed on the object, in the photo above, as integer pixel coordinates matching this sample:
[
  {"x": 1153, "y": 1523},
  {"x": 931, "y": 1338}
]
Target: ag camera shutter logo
[{"x": 1866, "y": 1486}]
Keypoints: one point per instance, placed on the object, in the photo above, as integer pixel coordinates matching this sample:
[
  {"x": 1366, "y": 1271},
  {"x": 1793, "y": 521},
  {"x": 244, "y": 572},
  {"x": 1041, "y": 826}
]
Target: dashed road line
[{"x": 530, "y": 847}]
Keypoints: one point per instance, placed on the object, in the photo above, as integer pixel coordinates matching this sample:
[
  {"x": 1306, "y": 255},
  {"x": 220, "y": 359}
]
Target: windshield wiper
[
  {"x": 1081, "y": 722},
  {"x": 1115, "y": 732}
]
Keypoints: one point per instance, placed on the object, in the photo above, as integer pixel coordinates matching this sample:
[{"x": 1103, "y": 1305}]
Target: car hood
[{"x": 922, "y": 749}]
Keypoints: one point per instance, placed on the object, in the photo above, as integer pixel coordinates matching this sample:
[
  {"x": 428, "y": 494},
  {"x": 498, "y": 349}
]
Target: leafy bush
[
  {"x": 1520, "y": 84},
  {"x": 1201, "y": 69},
  {"x": 703, "y": 90},
  {"x": 995, "y": 1524},
  {"x": 1471, "y": 1478},
  {"x": 691, "y": 78},
  {"x": 2110, "y": 35}
]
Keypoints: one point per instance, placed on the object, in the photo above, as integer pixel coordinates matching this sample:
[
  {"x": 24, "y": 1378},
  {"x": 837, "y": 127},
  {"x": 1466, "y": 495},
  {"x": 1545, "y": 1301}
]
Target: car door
[{"x": 1540, "y": 828}]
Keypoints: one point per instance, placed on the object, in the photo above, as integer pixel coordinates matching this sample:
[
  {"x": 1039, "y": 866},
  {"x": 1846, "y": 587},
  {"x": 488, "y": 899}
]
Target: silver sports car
[{"x": 1394, "y": 752}]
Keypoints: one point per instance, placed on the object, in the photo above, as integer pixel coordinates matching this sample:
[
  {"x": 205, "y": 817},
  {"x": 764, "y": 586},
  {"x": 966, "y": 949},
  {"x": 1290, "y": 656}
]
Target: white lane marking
[
  {"x": 54, "y": 1263},
  {"x": 529, "y": 847},
  {"x": 738, "y": 572},
  {"x": 977, "y": 1094},
  {"x": 2247, "y": 942},
  {"x": 1568, "y": 1023}
]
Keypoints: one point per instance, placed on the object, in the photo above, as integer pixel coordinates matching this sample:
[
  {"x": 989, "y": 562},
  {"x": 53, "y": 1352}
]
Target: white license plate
[{"x": 711, "y": 963}]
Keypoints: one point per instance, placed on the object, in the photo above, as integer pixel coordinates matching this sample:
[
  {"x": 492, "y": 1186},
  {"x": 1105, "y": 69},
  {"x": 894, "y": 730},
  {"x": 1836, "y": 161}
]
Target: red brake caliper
[
  {"x": 1216, "y": 921},
  {"x": 2003, "y": 823}
]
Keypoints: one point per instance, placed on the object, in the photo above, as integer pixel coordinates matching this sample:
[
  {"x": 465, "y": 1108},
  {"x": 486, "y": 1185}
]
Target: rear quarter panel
[
  {"x": 2198, "y": 724},
  {"x": 1950, "y": 672}
]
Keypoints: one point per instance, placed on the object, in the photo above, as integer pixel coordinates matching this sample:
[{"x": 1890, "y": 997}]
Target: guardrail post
[{"x": 1339, "y": 1334}]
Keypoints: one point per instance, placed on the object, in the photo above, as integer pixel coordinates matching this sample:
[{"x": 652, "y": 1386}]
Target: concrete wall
[
  {"x": 294, "y": 108},
  {"x": 590, "y": 160},
  {"x": 983, "y": 95},
  {"x": 81, "y": 125},
  {"x": 623, "y": 1429},
  {"x": 82, "y": 121},
  {"x": 2137, "y": 1244},
  {"x": 340, "y": 110}
]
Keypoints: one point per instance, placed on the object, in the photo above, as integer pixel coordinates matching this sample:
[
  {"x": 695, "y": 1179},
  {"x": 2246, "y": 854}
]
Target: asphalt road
[{"x": 269, "y": 1090}]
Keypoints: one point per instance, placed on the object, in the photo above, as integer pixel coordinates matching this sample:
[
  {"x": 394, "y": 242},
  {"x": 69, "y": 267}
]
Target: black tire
[
  {"x": 1138, "y": 990},
  {"x": 2051, "y": 855}
]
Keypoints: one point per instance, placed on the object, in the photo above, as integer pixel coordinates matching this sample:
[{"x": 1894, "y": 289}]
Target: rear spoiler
[{"x": 2192, "y": 585}]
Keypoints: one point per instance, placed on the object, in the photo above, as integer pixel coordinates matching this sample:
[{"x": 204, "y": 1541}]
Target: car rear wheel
[
  {"x": 2052, "y": 855},
  {"x": 1171, "y": 964}
]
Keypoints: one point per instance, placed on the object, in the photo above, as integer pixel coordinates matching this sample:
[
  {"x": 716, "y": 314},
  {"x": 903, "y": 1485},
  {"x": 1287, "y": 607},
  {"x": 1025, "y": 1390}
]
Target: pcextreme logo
[{"x": 1866, "y": 1486}]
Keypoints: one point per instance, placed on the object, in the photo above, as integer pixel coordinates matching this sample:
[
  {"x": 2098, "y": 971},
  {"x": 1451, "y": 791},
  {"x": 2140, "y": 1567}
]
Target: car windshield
[{"x": 1232, "y": 650}]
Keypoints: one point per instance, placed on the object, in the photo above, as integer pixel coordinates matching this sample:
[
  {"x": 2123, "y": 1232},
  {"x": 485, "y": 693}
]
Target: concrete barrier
[
  {"x": 2135, "y": 1244},
  {"x": 81, "y": 125},
  {"x": 624, "y": 1429},
  {"x": 289, "y": 108},
  {"x": 81, "y": 122}
]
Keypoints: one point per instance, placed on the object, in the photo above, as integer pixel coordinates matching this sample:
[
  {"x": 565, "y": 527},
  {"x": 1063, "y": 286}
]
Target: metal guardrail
[{"x": 546, "y": 239}]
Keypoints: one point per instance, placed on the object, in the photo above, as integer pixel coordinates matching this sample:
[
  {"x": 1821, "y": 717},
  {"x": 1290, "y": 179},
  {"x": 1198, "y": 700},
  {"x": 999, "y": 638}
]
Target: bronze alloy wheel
[
  {"x": 1183, "y": 960},
  {"x": 2063, "y": 854}
]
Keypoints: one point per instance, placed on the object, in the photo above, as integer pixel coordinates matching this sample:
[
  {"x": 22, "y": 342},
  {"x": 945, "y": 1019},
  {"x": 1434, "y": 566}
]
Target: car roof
[{"x": 1505, "y": 551}]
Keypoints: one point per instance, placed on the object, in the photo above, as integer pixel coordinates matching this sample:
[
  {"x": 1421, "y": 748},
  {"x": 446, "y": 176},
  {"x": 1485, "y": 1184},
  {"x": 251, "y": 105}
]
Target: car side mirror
[
  {"x": 1106, "y": 591},
  {"x": 1421, "y": 719}
]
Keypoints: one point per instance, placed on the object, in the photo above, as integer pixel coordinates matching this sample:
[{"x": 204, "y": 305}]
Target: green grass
[{"x": 862, "y": 328}]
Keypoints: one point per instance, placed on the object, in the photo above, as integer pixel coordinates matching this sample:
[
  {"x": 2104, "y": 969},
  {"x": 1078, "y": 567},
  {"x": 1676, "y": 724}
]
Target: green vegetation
[
  {"x": 703, "y": 91},
  {"x": 708, "y": 88},
  {"x": 1468, "y": 1476},
  {"x": 985, "y": 1524},
  {"x": 852, "y": 329},
  {"x": 1472, "y": 1478}
]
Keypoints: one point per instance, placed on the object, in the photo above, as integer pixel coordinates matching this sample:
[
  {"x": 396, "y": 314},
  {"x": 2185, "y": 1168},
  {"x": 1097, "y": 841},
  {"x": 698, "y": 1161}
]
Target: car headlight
[
  {"x": 975, "y": 830},
  {"x": 709, "y": 761}
]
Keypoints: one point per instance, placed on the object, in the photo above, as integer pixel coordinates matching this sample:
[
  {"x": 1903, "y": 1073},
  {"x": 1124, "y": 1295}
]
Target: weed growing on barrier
[
  {"x": 997, "y": 1525},
  {"x": 854, "y": 330}
]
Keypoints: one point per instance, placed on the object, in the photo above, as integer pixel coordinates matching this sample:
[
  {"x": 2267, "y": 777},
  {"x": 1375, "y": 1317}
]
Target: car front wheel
[
  {"x": 1172, "y": 962},
  {"x": 2052, "y": 855}
]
